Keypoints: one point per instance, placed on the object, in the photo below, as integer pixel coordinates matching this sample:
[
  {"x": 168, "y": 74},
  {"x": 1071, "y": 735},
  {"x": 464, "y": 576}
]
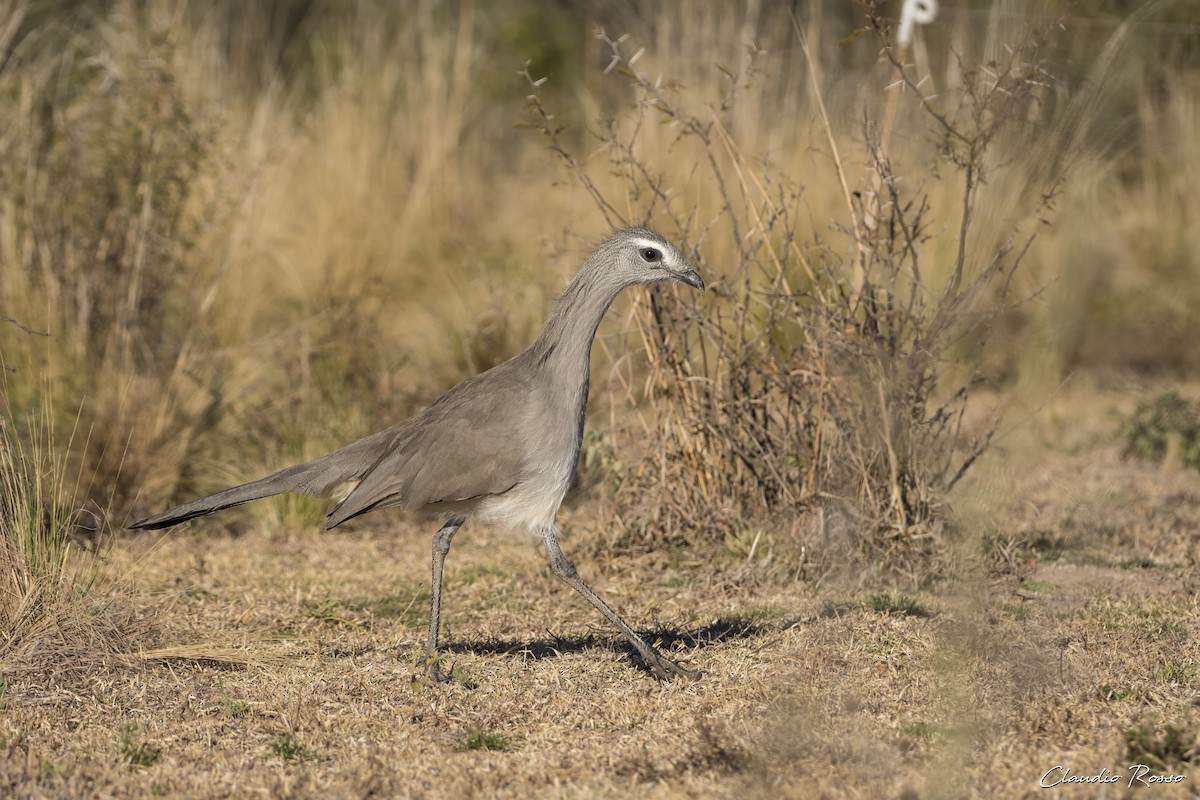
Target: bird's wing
[{"x": 465, "y": 446}]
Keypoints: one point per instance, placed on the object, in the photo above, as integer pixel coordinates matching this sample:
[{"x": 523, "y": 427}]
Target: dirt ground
[{"x": 281, "y": 664}]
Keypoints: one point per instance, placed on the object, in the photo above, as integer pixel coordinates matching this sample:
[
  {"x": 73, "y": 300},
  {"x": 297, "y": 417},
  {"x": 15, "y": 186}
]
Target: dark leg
[
  {"x": 663, "y": 666},
  {"x": 441, "y": 546}
]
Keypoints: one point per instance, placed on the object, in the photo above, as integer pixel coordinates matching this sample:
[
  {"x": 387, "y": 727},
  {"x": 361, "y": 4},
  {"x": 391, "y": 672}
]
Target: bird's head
[{"x": 638, "y": 255}]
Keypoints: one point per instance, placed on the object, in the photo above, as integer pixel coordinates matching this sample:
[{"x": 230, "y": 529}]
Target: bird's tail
[
  {"x": 288, "y": 480},
  {"x": 329, "y": 476}
]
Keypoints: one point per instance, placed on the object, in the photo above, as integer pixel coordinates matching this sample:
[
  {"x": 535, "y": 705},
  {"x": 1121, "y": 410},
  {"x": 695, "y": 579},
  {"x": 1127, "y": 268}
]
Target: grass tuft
[
  {"x": 483, "y": 740},
  {"x": 1164, "y": 430},
  {"x": 289, "y": 748},
  {"x": 51, "y": 615},
  {"x": 1162, "y": 746},
  {"x": 135, "y": 751},
  {"x": 253, "y": 232},
  {"x": 900, "y": 604}
]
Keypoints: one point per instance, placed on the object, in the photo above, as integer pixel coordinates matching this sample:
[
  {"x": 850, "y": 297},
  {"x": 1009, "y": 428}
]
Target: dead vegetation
[
  {"x": 52, "y": 618},
  {"x": 831, "y": 369}
]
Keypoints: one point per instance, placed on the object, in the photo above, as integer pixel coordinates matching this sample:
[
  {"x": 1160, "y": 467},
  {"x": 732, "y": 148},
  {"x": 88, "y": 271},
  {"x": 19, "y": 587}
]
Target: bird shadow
[{"x": 671, "y": 640}]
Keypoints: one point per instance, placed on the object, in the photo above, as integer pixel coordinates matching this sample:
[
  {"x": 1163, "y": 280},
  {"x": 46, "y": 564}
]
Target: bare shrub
[{"x": 824, "y": 369}]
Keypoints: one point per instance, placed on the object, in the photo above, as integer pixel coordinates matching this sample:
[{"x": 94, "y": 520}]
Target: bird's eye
[{"x": 650, "y": 255}]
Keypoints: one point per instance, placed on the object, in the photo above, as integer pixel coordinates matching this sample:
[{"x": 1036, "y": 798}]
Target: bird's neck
[{"x": 566, "y": 338}]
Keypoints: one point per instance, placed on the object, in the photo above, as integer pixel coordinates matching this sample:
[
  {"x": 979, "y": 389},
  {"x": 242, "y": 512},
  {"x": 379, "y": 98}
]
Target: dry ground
[{"x": 1076, "y": 645}]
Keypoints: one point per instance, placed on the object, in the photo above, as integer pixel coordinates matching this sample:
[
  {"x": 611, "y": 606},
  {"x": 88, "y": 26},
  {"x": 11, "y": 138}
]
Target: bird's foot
[
  {"x": 431, "y": 666},
  {"x": 668, "y": 670}
]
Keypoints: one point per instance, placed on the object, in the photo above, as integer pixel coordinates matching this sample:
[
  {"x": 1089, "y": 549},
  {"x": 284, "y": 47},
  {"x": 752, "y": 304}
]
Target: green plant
[
  {"x": 410, "y": 607},
  {"x": 1161, "y": 746},
  {"x": 482, "y": 740},
  {"x": 136, "y": 752},
  {"x": 1177, "y": 672},
  {"x": 289, "y": 748},
  {"x": 332, "y": 611},
  {"x": 919, "y": 730},
  {"x": 1109, "y": 692},
  {"x": 1163, "y": 429},
  {"x": 598, "y": 460},
  {"x": 232, "y": 707},
  {"x": 238, "y": 708},
  {"x": 902, "y": 604}
]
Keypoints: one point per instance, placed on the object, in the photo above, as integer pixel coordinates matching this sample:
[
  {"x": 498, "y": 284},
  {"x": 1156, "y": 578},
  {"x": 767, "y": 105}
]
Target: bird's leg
[
  {"x": 441, "y": 546},
  {"x": 663, "y": 666}
]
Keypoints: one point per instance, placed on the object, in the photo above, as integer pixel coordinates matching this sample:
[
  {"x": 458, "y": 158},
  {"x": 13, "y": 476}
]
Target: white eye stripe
[{"x": 644, "y": 243}]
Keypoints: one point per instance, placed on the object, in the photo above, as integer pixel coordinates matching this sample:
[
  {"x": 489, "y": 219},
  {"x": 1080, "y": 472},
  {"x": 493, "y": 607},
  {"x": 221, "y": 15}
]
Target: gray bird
[{"x": 500, "y": 448}]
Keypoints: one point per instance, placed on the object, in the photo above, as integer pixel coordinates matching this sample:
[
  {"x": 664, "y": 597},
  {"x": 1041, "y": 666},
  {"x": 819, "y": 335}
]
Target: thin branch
[{"x": 29, "y": 331}]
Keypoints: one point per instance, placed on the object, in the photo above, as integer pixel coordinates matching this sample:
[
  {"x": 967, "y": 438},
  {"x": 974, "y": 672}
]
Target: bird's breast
[
  {"x": 531, "y": 504},
  {"x": 551, "y": 441}
]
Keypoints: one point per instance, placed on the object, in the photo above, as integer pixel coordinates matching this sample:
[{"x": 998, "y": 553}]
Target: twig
[{"x": 29, "y": 331}]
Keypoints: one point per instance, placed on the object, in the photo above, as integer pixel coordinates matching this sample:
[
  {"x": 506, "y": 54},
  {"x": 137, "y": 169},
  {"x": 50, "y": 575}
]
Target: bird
[{"x": 499, "y": 449}]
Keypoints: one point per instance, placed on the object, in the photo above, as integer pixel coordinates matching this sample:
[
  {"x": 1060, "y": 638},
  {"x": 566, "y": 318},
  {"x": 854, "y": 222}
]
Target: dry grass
[
  {"x": 1079, "y": 649},
  {"x": 50, "y": 619}
]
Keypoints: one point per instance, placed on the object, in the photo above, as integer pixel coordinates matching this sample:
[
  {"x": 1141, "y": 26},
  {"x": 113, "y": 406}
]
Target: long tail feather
[
  {"x": 279, "y": 483},
  {"x": 329, "y": 476}
]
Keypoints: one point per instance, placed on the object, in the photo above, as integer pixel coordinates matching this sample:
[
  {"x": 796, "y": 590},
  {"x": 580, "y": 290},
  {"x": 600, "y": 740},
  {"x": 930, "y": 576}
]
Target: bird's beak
[{"x": 691, "y": 278}]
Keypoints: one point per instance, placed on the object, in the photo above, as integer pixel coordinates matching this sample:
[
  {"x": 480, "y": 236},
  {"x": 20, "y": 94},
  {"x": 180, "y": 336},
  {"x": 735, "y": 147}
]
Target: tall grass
[
  {"x": 36, "y": 527},
  {"x": 51, "y": 617},
  {"x": 105, "y": 206}
]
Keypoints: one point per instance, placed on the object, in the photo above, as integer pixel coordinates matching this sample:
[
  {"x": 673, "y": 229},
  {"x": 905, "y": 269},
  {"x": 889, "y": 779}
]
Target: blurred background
[{"x": 238, "y": 235}]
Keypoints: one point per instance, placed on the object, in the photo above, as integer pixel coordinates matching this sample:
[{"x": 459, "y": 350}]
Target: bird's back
[{"x": 478, "y": 451}]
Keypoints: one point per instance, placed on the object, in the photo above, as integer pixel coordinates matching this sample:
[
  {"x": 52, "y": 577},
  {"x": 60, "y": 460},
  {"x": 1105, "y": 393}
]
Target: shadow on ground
[{"x": 672, "y": 641}]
